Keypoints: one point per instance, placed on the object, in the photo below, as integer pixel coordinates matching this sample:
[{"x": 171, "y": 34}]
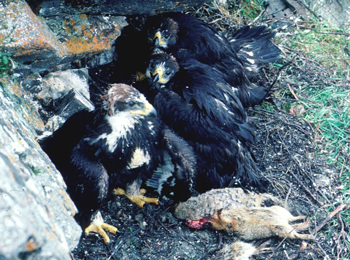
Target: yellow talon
[
  {"x": 139, "y": 200},
  {"x": 140, "y": 76},
  {"x": 109, "y": 228},
  {"x": 119, "y": 191},
  {"x": 99, "y": 227}
]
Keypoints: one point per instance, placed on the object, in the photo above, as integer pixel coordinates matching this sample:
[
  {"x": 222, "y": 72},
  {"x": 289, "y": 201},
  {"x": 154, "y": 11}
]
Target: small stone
[
  {"x": 141, "y": 221},
  {"x": 297, "y": 110},
  {"x": 32, "y": 83},
  {"x": 58, "y": 84},
  {"x": 167, "y": 217},
  {"x": 64, "y": 93},
  {"x": 322, "y": 180}
]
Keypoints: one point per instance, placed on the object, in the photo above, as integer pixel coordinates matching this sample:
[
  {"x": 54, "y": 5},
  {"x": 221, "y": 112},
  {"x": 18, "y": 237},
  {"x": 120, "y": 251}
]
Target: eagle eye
[
  {"x": 131, "y": 103},
  {"x": 168, "y": 73},
  {"x": 151, "y": 64}
]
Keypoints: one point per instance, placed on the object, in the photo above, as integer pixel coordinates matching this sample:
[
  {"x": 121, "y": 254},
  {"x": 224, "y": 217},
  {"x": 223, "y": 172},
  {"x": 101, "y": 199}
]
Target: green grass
[
  {"x": 327, "y": 105},
  {"x": 5, "y": 59},
  {"x": 326, "y": 94},
  {"x": 327, "y": 45},
  {"x": 250, "y": 9},
  {"x": 328, "y": 109},
  {"x": 5, "y": 63}
]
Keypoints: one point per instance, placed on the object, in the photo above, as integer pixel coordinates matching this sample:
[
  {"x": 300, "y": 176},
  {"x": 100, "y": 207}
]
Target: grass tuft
[
  {"x": 329, "y": 110},
  {"x": 6, "y": 62},
  {"x": 328, "y": 106},
  {"x": 250, "y": 9},
  {"x": 326, "y": 44},
  {"x": 325, "y": 93}
]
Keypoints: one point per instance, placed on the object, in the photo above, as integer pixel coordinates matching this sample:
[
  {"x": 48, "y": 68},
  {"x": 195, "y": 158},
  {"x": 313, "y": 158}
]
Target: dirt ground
[
  {"x": 285, "y": 148},
  {"x": 286, "y": 151}
]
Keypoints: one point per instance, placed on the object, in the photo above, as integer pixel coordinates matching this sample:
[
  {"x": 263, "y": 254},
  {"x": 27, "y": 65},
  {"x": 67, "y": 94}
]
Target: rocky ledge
[{"x": 44, "y": 46}]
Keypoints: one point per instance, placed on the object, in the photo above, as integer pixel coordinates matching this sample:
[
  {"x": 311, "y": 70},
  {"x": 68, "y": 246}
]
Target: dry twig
[
  {"x": 300, "y": 182},
  {"x": 292, "y": 91},
  {"x": 329, "y": 217}
]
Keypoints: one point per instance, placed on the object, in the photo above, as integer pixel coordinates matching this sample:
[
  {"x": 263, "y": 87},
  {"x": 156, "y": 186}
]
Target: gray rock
[
  {"x": 121, "y": 7},
  {"x": 335, "y": 12},
  {"x": 58, "y": 84},
  {"x": 322, "y": 180},
  {"x": 32, "y": 83},
  {"x": 36, "y": 212},
  {"x": 64, "y": 93},
  {"x": 278, "y": 10},
  {"x": 42, "y": 45}
]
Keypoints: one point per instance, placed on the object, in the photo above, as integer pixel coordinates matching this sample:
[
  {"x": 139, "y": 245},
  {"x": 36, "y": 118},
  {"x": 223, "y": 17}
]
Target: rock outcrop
[
  {"x": 124, "y": 7},
  {"x": 44, "y": 48},
  {"x": 36, "y": 212},
  {"x": 43, "y": 82}
]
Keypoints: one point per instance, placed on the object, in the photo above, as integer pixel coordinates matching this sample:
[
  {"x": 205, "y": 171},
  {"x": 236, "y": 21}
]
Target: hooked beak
[
  {"x": 149, "y": 110},
  {"x": 158, "y": 42},
  {"x": 157, "y": 75},
  {"x": 155, "y": 78}
]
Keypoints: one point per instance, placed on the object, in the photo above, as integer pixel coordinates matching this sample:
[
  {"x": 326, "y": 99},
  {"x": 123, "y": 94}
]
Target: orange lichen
[
  {"x": 78, "y": 45},
  {"x": 49, "y": 234},
  {"x": 68, "y": 203},
  {"x": 16, "y": 90},
  {"x": 87, "y": 34},
  {"x": 82, "y": 38},
  {"x": 33, "y": 117},
  {"x": 32, "y": 36},
  {"x": 28, "y": 33},
  {"x": 83, "y": 17},
  {"x": 68, "y": 25},
  {"x": 31, "y": 245}
]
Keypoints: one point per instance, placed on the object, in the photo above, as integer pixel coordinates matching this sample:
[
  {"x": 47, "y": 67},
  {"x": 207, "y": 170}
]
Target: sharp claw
[
  {"x": 140, "y": 76},
  {"x": 99, "y": 227},
  {"x": 99, "y": 230},
  {"x": 149, "y": 200},
  {"x": 109, "y": 228},
  {"x": 119, "y": 191},
  {"x": 136, "y": 200},
  {"x": 139, "y": 200}
]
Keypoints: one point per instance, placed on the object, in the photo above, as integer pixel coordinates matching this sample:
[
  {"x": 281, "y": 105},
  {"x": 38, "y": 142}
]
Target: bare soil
[{"x": 287, "y": 149}]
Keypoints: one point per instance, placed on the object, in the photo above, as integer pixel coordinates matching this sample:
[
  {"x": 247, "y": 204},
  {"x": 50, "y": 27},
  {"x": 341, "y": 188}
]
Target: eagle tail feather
[{"x": 254, "y": 47}]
